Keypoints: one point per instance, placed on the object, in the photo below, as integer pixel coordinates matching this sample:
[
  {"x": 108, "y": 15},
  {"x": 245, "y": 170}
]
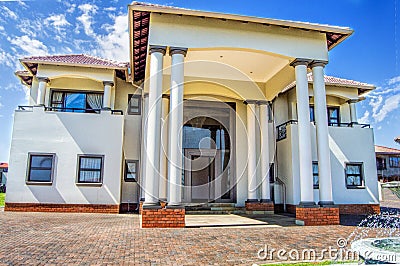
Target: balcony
[{"x": 281, "y": 130}]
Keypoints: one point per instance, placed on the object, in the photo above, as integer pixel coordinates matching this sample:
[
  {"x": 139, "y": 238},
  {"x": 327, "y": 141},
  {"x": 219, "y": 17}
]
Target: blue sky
[{"x": 371, "y": 54}]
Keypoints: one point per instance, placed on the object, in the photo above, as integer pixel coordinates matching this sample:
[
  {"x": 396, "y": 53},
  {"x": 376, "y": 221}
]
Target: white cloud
[
  {"x": 31, "y": 27},
  {"x": 6, "y": 59},
  {"x": 365, "y": 118},
  {"x": 111, "y": 8},
  {"x": 394, "y": 80},
  {"x": 115, "y": 44},
  {"x": 375, "y": 103},
  {"x": 71, "y": 7},
  {"x": 88, "y": 10},
  {"x": 391, "y": 104},
  {"x": 29, "y": 46},
  {"x": 58, "y": 21},
  {"x": 8, "y": 13},
  {"x": 1, "y": 28}
]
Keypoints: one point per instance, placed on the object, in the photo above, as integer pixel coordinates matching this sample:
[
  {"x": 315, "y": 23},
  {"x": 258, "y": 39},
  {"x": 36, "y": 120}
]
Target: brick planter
[
  {"x": 162, "y": 218},
  {"x": 359, "y": 209},
  {"x": 259, "y": 207},
  {"x": 317, "y": 215},
  {"x": 49, "y": 207}
]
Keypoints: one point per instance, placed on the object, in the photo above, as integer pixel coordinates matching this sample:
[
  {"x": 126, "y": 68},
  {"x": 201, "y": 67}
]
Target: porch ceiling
[{"x": 230, "y": 64}]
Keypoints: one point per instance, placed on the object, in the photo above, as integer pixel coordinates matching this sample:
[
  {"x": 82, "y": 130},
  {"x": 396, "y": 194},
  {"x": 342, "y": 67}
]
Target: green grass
[{"x": 2, "y": 198}]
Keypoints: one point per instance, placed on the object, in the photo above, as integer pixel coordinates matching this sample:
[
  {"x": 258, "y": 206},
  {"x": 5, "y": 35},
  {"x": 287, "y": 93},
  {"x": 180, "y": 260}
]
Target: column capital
[
  {"x": 300, "y": 61},
  {"x": 108, "y": 83},
  {"x": 353, "y": 101},
  {"x": 165, "y": 96},
  {"x": 316, "y": 63},
  {"x": 250, "y": 102},
  {"x": 263, "y": 102},
  {"x": 177, "y": 50},
  {"x": 157, "y": 49},
  {"x": 43, "y": 79}
]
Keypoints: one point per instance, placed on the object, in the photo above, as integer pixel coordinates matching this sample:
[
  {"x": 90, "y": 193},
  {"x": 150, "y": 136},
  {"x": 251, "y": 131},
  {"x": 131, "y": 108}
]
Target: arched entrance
[{"x": 208, "y": 139}]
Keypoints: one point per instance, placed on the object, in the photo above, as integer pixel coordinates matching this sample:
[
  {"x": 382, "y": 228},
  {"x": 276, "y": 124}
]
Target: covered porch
[{"x": 189, "y": 72}]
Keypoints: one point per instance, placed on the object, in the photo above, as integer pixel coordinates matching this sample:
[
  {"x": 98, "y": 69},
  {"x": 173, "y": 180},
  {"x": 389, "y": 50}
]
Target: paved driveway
[{"x": 87, "y": 239}]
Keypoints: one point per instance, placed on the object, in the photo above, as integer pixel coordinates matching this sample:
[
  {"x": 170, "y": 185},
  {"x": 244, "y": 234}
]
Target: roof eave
[
  {"x": 294, "y": 24},
  {"x": 69, "y": 64}
]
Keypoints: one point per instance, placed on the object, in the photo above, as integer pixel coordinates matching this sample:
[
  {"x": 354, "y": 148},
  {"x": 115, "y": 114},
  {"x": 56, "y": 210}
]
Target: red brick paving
[{"x": 100, "y": 239}]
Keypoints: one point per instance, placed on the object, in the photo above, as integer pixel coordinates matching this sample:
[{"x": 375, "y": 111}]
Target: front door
[
  {"x": 200, "y": 176},
  {"x": 208, "y": 135}
]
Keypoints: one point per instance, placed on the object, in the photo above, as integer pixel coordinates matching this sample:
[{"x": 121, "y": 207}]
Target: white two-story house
[{"x": 212, "y": 109}]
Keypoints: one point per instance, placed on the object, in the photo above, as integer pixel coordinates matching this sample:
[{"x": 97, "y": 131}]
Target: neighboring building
[
  {"x": 227, "y": 97},
  {"x": 3, "y": 176},
  {"x": 387, "y": 163}
]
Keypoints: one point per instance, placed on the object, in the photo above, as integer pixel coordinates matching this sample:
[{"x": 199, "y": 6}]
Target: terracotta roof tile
[
  {"x": 3, "y": 165},
  {"x": 76, "y": 59},
  {"x": 386, "y": 150},
  {"x": 341, "y": 81}
]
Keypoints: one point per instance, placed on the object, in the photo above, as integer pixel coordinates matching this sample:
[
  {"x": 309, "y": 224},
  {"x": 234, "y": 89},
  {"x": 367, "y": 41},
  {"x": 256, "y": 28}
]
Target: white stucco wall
[
  {"x": 132, "y": 139},
  {"x": 66, "y": 135},
  {"x": 347, "y": 145},
  {"x": 196, "y": 32}
]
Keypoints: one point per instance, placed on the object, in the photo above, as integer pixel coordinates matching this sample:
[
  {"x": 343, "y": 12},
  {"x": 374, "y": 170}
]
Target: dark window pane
[
  {"x": 90, "y": 169},
  {"x": 134, "y": 104},
  {"x": 40, "y": 168},
  {"x": 90, "y": 163},
  {"x": 75, "y": 100},
  {"x": 90, "y": 176},
  {"x": 41, "y": 161},
  {"x": 315, "y": 174},
  {"x": 354, "y": 175},
  {"x": 131, "y": 168},
  {"x": 40, "y": 175},
  {"x": 312, "y": 118}
]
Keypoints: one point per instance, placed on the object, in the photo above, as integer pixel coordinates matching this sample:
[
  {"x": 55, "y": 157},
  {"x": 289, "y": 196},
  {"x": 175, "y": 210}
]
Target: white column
[
  {"x": 176, "y": 126},
  {"x": 164, "y": 149},
  {"x": 251, "y": 152},
  {"x": 264, "y": 154},
  {"x": 353, "y": 111},
  {"x": 152, "y": 150},
  {"x": 41, "y": 90},
  {"x": 303, "y": 118},
  {"x": 107, "y": 94},
  {"x": 321, "y": 121},
  {"x": 143, "y": 157}
]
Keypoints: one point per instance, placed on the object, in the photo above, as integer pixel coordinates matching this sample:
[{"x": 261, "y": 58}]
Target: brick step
[
  {"x": 210, "y": 212},
  {"x": 232, "y": 205}
]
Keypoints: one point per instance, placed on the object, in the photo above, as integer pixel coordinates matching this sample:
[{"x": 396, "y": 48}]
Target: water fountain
[{"x": 377, "y": 238}]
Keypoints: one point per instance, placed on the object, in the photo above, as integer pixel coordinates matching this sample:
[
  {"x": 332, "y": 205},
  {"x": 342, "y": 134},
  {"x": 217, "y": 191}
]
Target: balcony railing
[
  {"x": 281, "y": 129},
  {"x": 68, "y": 110}
]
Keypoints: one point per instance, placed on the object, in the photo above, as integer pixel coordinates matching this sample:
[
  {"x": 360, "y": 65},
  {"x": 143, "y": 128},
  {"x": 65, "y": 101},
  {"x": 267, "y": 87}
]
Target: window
[
  {"x": 134, "y": 104},
  {"x": 380, "y": 163},
  {"x": 394, "y": 162},
  {"x": 40, "y": 167},
  {"x": 131, "y": 170},
  {"x": 315, "y": 175},
  {"x": 354, "y": 176},
  {"x": 333, "y": 115},
  {"x": 90, "y": 169},
  {"x": 80, "y": 102}
]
